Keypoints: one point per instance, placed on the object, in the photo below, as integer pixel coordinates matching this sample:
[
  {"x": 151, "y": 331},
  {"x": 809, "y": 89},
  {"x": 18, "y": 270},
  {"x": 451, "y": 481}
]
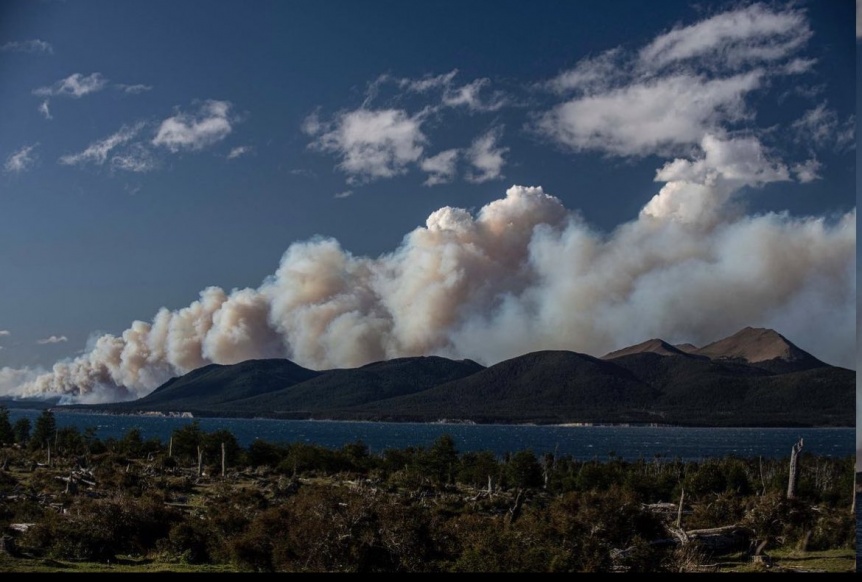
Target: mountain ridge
[{"x": 755, "y": 377}]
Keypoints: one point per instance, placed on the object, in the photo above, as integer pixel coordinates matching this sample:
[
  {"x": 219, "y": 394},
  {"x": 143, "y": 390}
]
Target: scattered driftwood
[
  {"x": 665, "y": 509},
  {"x": 710, "y": 542},
  {"x": 716, "y": 540}
]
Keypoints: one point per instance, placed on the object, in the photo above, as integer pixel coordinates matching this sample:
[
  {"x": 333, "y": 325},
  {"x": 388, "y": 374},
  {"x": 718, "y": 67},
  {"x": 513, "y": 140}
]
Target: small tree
[
  {"x": 187, "y": 440},
  {"x": 7, "y": 435},
  {"x": 441, "y": 459},
  {"x": 44, "y": 431},
  {"x": 21, "y": 428},
  {"x": 523, "y": 470}
]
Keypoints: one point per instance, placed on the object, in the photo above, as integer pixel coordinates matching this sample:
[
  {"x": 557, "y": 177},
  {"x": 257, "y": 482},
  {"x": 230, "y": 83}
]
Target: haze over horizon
[{"x": 479, "y": 181}]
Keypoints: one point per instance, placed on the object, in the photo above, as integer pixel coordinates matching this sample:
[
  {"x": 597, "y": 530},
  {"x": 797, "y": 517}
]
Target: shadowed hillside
[
  {"x": 211, "y": 386},
  {"x": 335, "y": 389},
  {"x": 547, "y": 386},
  {"x": 755, "y": 377}
]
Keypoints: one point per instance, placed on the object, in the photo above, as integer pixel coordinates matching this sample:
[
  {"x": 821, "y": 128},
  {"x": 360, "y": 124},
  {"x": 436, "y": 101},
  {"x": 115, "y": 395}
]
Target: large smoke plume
[{"x": 522, "y": 274}]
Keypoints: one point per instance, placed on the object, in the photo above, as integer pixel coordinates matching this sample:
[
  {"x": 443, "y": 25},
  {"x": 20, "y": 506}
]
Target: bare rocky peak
[
  {"x": 758, "y": 346},
  {"x": 755, "y": 344},
  {"x": 655, "y": 345},
  {"x": 687, "y": 348}
]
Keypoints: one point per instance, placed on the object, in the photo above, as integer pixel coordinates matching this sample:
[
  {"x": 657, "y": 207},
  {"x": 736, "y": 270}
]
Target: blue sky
[{"x": 338, "y": 182}]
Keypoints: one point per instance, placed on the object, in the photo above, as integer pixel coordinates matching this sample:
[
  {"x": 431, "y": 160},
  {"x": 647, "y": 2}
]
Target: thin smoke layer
[{"x": 522, "y": 274}]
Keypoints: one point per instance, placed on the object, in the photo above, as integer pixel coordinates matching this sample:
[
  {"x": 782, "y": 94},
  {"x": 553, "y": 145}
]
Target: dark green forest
[{"x": 202, "y": 501}]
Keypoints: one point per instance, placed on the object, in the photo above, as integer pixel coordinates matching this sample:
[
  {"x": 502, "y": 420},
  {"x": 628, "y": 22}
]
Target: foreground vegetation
[{"x": 201, "y": 503}]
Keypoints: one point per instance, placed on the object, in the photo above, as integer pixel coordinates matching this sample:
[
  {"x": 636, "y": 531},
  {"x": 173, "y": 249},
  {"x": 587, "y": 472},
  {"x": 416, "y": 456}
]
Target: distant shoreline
[{"x": 463, "y": 422}]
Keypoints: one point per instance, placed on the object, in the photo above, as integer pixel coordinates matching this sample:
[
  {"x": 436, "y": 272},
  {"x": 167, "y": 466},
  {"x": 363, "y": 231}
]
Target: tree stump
[{"x": 7, "y": 546}]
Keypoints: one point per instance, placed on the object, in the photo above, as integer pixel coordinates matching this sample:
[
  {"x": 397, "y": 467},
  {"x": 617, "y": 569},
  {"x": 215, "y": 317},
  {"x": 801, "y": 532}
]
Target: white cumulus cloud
[
  {"x": 441, "y": 167},
  {"x": 371, "y": 144},
  {"x": 486, "y": 157},
  {"x": 186, "y": 131},
  {"x": 52, "y": 340},
  {"x": 657, "y": 115}
]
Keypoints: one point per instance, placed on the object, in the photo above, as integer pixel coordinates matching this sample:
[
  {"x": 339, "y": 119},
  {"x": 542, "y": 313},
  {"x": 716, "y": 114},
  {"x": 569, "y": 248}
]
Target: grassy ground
[
  {"x": 122, "y": 565},
  {"x": 832, "y": 561},
  {"x": 782, "y": 560}
]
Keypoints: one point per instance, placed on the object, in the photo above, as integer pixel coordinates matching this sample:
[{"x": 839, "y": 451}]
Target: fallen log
[{"x": 720, "y": 540}]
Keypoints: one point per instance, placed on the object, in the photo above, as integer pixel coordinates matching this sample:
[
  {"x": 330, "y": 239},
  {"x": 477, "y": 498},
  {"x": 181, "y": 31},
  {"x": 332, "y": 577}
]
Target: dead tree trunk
[
  {"x": 762, "y": 480},
  {"x": 515, "y": 510},
  {"x": 794, "y": 469},
  {"x": 679, "y": 511},
  {"x": 222, "y": 460},
  {"x": 200, "y": 461},
  {"x": 171, "y": 448}
]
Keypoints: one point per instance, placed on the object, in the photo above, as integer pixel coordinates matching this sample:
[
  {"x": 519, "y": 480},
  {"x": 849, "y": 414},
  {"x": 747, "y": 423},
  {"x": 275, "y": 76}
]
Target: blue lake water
[{"x": 580, "y": 442}]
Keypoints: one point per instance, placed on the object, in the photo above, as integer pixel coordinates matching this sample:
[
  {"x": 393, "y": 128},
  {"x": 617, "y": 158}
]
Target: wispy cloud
[
  {"x": 192, "y": 132},
  {"x": 137, "y": 158},
  {"x": 475, "y": 95},
  {"x": 97, "y": 152},
  {"x": 44, "y": 110},
  {"x": 372, "y": 144},
  {"x": 239, "y": 151},
  {"x": 28, "y": 46},
  {"x": 345, "y": 194},
  {"x": 76, "y": 85},
  {"x": 590, "y": 74},
  {"x": 470, "y": 96},
  {"x": 653, "y": 116},
  {"x": 20, "y": 160},
  {"x": 441, "y": 167},
  {"x": 753, "y": 34},
  {"x": 486, "y": 157},
  {"x": 5, "y": 332},
  {"x": 425, "y": 83},
  {"x": 133, "y": 89},
  {"x": 807, "y": 171},
  {"x": 820, "y": 127},
  {"x": 681, "y": 86},
  {"x": 52, "y": 340}
]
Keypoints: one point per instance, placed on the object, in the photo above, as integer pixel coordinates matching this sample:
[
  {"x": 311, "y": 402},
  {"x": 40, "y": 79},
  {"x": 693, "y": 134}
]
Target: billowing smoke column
[{"x": 521, "y": 275}]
